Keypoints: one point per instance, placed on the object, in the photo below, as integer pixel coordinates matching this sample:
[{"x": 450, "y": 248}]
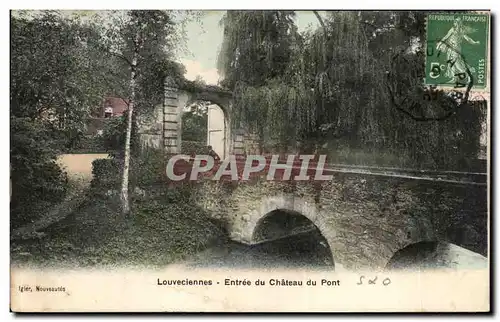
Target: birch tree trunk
[{"x": 126, "y": 165}]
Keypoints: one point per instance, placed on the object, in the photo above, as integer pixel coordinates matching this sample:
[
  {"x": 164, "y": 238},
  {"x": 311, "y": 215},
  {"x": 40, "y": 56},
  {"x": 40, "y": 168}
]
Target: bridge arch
[
  {"x": 377, "y": 250},
  {"x": 283, "y": 216},
  {"x": 416, "y": 239},
  {"x": 435, "y": 255}
]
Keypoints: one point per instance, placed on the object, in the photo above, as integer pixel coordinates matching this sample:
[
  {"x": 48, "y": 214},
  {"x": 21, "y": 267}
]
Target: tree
[
  {"x": 53, "y": 90},
  {"x": 194, "y": 123},
  {"x": 265, "y": 47},
  {"x": 256, "y": 51},
  {"x": 355, "y": 82},
  {"x": 141, "y": 40},
  {"x": 55, "y": 83}
]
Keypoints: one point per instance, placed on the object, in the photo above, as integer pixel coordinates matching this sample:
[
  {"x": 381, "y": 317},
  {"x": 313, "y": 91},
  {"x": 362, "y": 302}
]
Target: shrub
[
  {"x": 106, "y": 174},
  {"x": 113, "y": 136},
  {"x": 87, "y": 144},
  {"x": 194, "y": 147},
  {"x": 37, "y": 180},
  {"x": 146, "y": 171},
  {"x": 148, "y": 168}
]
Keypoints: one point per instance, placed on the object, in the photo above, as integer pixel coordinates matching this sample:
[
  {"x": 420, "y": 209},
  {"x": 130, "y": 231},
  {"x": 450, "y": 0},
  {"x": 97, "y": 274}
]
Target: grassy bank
[{"x": 158, "y": 231}]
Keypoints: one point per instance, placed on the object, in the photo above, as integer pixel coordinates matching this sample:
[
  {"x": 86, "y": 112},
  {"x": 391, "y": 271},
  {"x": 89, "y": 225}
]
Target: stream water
[
  {"x": 305, "y": 251},
  {"x": 310, "y": 251}
]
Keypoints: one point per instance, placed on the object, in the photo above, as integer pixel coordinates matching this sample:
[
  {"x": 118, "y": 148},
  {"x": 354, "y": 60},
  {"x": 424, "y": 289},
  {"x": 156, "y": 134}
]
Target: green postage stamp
[{"x": 456, "y": 42}]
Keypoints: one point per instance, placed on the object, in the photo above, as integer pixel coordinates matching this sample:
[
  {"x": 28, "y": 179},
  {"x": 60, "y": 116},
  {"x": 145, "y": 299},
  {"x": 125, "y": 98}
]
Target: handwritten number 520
[{"x": 385, "y": 282}]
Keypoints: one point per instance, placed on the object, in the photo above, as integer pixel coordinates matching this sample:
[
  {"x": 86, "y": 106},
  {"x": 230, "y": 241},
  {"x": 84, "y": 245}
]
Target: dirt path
[
  {"x": 79, "y": 166},
  {"x": 79, "y": 169}
]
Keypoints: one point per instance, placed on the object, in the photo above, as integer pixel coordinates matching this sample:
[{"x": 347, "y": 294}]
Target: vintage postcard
[{"x": 249, "y": 161}]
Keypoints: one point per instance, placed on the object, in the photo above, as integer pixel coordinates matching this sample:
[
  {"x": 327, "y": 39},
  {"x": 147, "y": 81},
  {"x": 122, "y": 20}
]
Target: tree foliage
[
  {"x": 151, "y": 34},
  {"x": 265, "y": 46},
  {"x": 355, "y": 83},
  {"x": 37, "y": 180},
  {"x": 53, "y": 90},
  {"x": 194, "y": 123},
  {"x": 142, "y": 40},
  {"x": 55, "y": 83}
]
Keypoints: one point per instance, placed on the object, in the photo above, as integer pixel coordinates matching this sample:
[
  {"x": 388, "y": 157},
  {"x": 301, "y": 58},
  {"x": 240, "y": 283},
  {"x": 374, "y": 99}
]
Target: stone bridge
[{"x": 366, "y": 215}]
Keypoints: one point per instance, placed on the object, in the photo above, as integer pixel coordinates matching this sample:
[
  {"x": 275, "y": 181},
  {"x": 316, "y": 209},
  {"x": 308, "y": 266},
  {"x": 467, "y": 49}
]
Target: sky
[{"x": 204, "y": 39}]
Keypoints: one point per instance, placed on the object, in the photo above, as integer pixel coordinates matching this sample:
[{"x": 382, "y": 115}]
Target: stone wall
[{"x": 251, "y": 144}]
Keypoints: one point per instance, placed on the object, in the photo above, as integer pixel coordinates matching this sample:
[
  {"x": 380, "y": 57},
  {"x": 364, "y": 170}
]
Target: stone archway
[
  {"x": 175, "y": 101},
  {"x": 164, "y": 131}
]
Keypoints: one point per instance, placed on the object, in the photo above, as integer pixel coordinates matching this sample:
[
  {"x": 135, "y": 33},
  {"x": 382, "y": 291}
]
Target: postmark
[
  {"x": 429, "y": 102},
  {"x": 457, "y": 43}
]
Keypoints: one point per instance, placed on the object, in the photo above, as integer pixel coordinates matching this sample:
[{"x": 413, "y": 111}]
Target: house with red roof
[{"x": 111, "y": 107}]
